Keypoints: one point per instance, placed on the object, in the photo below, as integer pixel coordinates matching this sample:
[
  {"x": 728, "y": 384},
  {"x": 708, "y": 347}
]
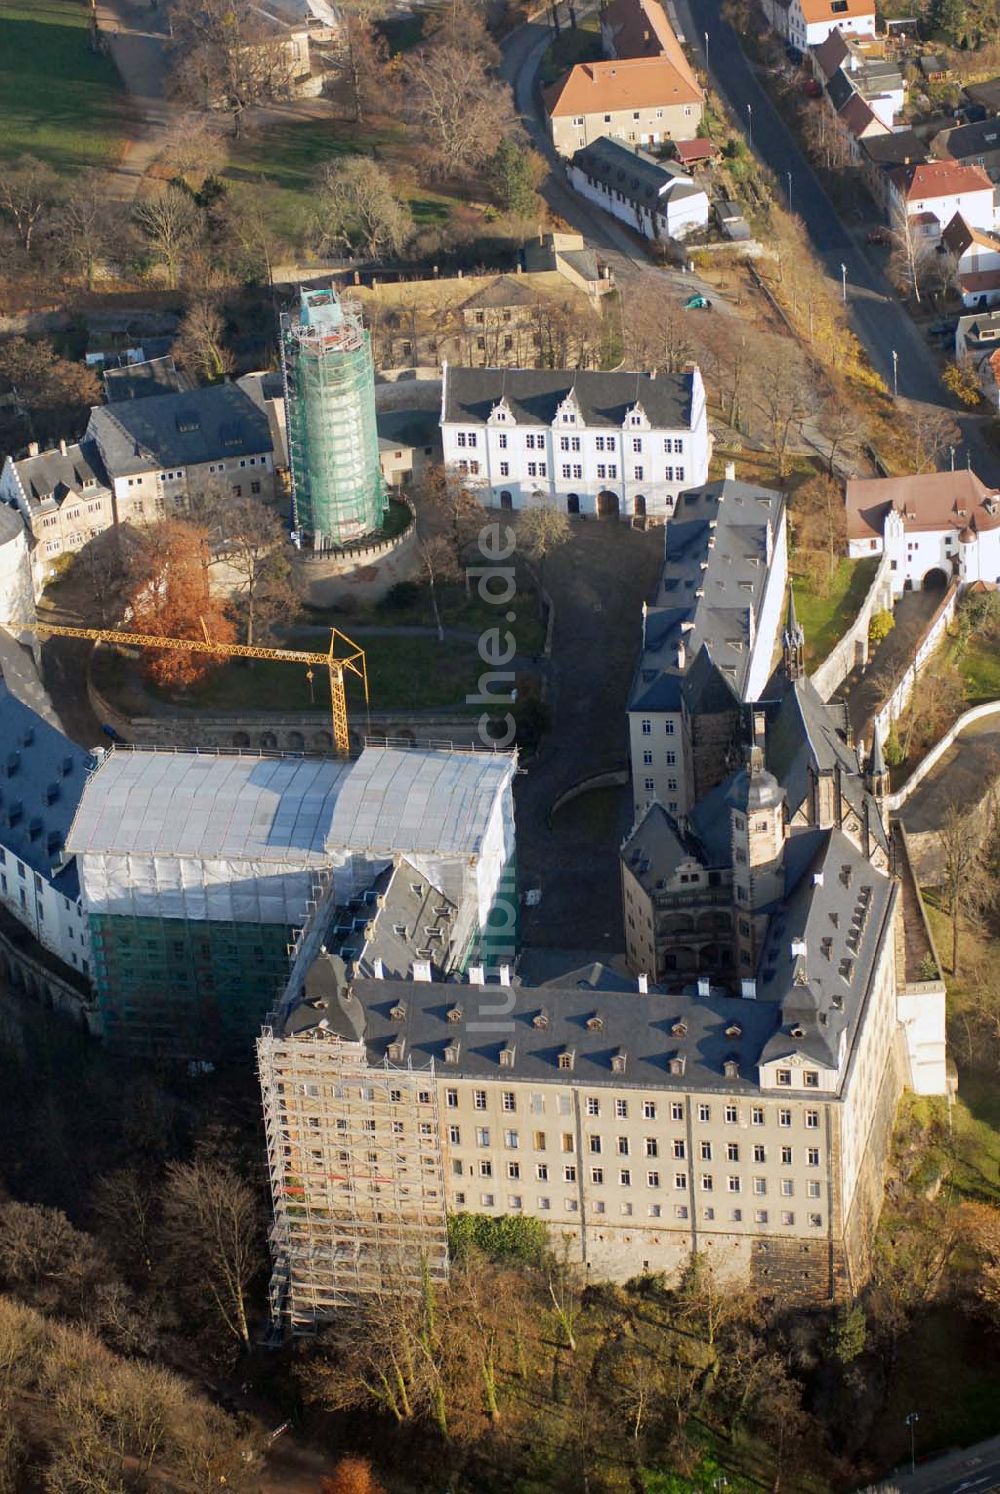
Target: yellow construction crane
[{"x": 352, "y": 658}]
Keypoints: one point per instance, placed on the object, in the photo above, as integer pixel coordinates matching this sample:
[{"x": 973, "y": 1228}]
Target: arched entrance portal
[
  {"x": 935, "y": 580},
  {"x": 506, "y": 501},
  {"x": 640, "y": 506},
  {"x": 573, "y": 503},
  {"x": 607, "y": 505}
]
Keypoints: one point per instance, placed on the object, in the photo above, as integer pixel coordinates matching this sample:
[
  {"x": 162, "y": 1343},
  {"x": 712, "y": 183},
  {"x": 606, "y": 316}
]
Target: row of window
[
  {"x": 649, "y": 1110},
  {"x": 672, "y": 445},
  {"x": 515, "y": 1202},
  {"x": 623, "y": 1144},
  {"x": 706, "y": 1180}
]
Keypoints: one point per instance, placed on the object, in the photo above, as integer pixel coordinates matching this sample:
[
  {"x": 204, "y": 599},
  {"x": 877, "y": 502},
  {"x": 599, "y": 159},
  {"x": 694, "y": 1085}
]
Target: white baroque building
[
  {"x": 611, "y": 444},
  {"x": 934, "y": 527}
]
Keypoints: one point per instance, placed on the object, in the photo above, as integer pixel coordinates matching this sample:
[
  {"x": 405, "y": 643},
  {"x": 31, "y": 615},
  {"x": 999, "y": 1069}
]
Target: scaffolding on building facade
[
  {"x": 338, "y": 492},
  {"x": 357, "y": 1175}
]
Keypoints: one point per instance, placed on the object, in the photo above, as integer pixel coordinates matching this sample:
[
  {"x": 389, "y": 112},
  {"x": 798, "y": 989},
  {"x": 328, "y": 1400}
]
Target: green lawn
[
  {"x": 458, "y": 609},
  {"x": 290, "y": 154},
  {"x": 58, "y": 100},
  {"x": 403, "y": 673},
  {"x": 825, "y": 619},
  {"x": 980, "y": 666}
]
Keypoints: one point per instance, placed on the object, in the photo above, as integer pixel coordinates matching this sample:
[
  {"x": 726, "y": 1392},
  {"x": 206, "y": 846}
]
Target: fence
[{"x": 852, "y": 650}]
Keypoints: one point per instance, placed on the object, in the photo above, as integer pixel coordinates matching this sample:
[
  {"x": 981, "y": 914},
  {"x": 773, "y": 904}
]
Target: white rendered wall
[
  {"x": 921, "y": 1014},
  {"x": 769, "y": 619}
]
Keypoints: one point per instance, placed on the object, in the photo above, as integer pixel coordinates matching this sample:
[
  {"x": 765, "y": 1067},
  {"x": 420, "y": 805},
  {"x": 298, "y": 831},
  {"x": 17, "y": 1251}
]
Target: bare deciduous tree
[
  {"x": 201, "y": 346},
  {"x": 227, "y": 56},
  {"x": 252, "y": 547},
  {"x": 210, "y": 1236},
  {"x": 461, "y": 109},
  {"x": 28, "y": 188},
  {"x": 911, "y": 254},
  {"x": 169, "y": 222},
  {"x": 359, "y": 208}
]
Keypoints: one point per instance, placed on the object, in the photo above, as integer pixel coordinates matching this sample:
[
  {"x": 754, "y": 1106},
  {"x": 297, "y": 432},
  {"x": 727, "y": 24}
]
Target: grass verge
[
  {"x": 59, "y": 100},
  {"x": 826, "y": 617}
]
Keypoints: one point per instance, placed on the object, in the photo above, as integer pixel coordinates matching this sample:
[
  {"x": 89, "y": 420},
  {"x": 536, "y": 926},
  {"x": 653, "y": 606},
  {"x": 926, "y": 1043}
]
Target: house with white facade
[
  {"x": 858, "y": 62},
  {"x": 709, "y": 639},
  {"x": 977, "y": 263},
  {"x": 808, "y": 23},
  {"x": 656, "y": 198},
  {"x": 611, "y": 444},
  {"x": 17, "y": 597},
  {"x": 931, "y": 193},
  {"x": 42, "y": 776},
  {"x": 935, "y": 527},
  {"x": 64, "y": 498}
]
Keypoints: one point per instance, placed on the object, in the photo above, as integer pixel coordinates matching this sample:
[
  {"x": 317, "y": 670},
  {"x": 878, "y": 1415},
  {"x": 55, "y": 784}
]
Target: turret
[
  {"x": 793, "y": 642},
  {"x": 756, "y": 803},
  {"x": 876, "y": 772}
]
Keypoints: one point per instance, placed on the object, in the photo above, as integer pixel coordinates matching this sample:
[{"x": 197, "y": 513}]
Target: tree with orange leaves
[
  {"x": 170, "y": 595},
  {"x": 352, "y": 1476}
]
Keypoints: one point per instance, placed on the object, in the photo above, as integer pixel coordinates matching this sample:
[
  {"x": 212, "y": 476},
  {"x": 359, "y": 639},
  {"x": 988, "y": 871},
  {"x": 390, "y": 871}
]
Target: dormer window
[
  {"x": 677, "y": 1064},
  {"x": 618, "y": 1061},
  {"x": 540, "y": 1019},
  {"x": 731, "y": 1068},
  {"x": 398, "y": 1012},
  {"x": 451, "y": 1051},
  {"x": 734, "y": 1030},
  {"x": 455, "y": 1014},
  {"x": 396, "y": 1049},
  {"x": 507, "y": 1056},
  {"x": 595, "y": 1023},
  {"x": 797, "y": 1031},
  {"x": 567, "y": 1058},
  {"x": 679, "y": 1029}
]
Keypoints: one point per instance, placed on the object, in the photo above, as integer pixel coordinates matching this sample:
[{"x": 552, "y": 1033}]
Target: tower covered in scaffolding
[{"x": 338, "y": 493}]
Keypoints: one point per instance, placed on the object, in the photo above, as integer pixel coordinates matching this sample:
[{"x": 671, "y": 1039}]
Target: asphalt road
[
  {"x": 878, "y": 318},
  {"x": 972, "y": 1470}
]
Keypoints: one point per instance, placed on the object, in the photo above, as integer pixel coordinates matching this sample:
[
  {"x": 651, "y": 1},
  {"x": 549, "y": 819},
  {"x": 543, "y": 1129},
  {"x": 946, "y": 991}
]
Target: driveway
[
  {"x": 877, "y": 317},
  {"x": 865, "y": 690},
  {"x": 598, "y": 582},
  {"x": 137, "y": 36}
]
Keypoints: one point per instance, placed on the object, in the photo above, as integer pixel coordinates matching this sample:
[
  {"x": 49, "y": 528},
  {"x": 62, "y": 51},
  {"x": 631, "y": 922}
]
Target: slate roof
[
  {"x": 179, "y": 430},
  {"x": 968, "y": 141},
  {"x": 729, "y": 527},
  {"x": 42, "y": 776},
  {"x": 899, "y": 148},
  {"x": 841, "y": 920},
  {"x": 53, "y": 475},
  {"x": 410, "y": 919},
  {"x": 534, "y": 395},
  {"x": 987, "y": 94},
  {"x": 639, "y": 176},
  {"x": 642, "y": 1027},
  {"x": 839, "y": 89},
  {"x": 154, "y": 377}
]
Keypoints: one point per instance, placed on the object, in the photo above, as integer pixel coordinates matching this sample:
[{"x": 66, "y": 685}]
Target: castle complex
[{"x": 734, "y": 1095}]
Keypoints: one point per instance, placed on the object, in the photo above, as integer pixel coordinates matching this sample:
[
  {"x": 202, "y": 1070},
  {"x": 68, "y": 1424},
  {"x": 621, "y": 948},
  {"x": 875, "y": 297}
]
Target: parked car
[
  {"x": 811, "y": 89},
  {"x": 697, "y": 302}
]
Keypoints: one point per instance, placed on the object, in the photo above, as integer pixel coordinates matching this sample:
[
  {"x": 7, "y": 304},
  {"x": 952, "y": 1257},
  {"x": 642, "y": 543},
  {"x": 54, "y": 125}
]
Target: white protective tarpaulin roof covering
[
  {"x": 209, "y": 807},
  {"x": 418, "y": 802}
]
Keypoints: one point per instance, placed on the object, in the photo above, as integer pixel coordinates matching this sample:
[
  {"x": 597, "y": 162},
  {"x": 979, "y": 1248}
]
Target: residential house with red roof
[
  {"x": 932, "y": 192},
  {"x": 977, "y": 263},
  {"x": 934, "y": 526},
  {"x": 641, "y": 100}
]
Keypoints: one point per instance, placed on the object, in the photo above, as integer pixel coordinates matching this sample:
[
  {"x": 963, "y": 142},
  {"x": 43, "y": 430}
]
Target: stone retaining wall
[{"x": 852, "y": 650}]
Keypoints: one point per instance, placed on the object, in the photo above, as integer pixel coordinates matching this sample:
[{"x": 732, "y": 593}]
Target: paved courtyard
[{"x": 598, "y": 581}]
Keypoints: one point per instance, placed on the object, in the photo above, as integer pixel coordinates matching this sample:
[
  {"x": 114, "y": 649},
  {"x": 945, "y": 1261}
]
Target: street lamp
[
  {"x": 911, "y": 1421},
  {"x": 750, "y": 124},
  {"x": 895, "y": 374},
  {"x": 952, "y": 450},
  {"x": 789, "y": 176},
  {"x": 843, "y": 283},
  {"x": 706, "y": 51}
]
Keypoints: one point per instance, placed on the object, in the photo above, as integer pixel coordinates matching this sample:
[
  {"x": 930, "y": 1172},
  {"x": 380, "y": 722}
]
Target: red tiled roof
[
  {"x": 689, "y": 151},
  {"x": 640, "y": 29},
  {"x": 635, "y": 83},
  {"x": 940, "y": 179},
  {"x": 928, "y": 500}
]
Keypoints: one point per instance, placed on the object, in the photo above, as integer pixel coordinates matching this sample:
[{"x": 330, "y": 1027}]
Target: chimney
[
  {"x": 505, "y": 975},
  {"x": 730, "y": 471},
  {"x": 644, "y": 985},
  {"x": 379, "y": 969},
  {"x": 422, "y": 971},
  {"x": 477, "y": 975},
  {"x": 32, "y": 448},
  {"x": 62, "y": 448}
]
